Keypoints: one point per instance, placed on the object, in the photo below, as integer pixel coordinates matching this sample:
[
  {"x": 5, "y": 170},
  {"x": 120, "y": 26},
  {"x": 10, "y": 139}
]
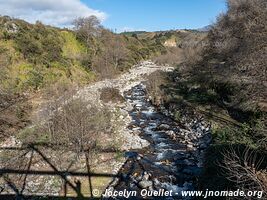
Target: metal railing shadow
[{"x": 63, "y": 174}]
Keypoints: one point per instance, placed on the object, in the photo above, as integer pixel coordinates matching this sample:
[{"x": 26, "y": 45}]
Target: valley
[{"x": 88, "y": 112}]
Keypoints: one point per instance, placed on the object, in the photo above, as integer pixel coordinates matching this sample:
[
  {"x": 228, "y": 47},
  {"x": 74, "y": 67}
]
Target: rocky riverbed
[
  {"x": 173, "y": 158},
  {"x": 160, "y": 154}
]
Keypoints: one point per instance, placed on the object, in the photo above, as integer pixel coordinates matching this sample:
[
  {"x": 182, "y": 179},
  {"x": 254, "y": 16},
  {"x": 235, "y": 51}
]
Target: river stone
[
  {"x": 170, "y": 132},
  {"x": 190, "y": 146},
  {"x": 145, "y": 184},
  {"x": 170, "y": 155},
  {"x": 146, "y": 176},
  {"x": 138, "y": 105},
  {"x": 163, "y": 127}
]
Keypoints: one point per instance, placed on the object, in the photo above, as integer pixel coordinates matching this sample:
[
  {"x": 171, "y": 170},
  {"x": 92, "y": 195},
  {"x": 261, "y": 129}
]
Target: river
[{"x": 174, "y": 158}]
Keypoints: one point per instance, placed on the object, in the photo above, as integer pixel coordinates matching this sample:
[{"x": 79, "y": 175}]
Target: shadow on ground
[{"x": 24, "y": 171}]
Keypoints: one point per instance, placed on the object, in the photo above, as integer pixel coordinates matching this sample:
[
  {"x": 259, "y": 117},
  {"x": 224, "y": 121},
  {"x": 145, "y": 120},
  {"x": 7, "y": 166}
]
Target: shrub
[
  {"x": 155, "y": 84},
  {"x": 173, "y": 56},
  {"x": 29, "y": 77},
  {"x": 78, "y": 125},
  {"x": 111, "y": 94},
  {"x": 29, "y": 46},
  {"x": 72, "y": 48},
  {"x": 235, "y": 52},
  {"x": 39, "y": 44},
  {"x": 247, "y": 169}
]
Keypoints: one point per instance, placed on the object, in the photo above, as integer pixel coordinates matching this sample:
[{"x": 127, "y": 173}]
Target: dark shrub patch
[{"x": 111, "y": 94}]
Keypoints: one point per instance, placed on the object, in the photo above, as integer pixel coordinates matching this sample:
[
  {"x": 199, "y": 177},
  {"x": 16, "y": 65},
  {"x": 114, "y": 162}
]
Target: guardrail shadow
[{"x": 65, "y": 175}]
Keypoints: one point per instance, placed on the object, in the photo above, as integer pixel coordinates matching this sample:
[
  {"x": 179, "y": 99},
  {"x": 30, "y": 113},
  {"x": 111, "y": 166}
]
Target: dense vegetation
[
  {"x": 224, "y": 79},
  {"x": 48, "y": 53},
  {"x": 38, "y": 60}
]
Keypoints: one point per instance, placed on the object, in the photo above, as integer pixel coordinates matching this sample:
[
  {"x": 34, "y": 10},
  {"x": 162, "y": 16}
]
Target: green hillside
[
  {"x": 34, "y": 56},
  {"x": 39, "y": 63}
]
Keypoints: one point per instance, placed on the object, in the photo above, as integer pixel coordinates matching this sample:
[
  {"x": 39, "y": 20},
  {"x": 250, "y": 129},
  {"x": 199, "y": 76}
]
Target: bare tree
[
  {"x": 112, "y": 54},
  {"x": 87, "y": 28},
  {"x": 77, "y": 125},
  {"x": 244, "y": 168},
  {"x": 155, "y": 82},
  {"x": 118, "y": 51}
]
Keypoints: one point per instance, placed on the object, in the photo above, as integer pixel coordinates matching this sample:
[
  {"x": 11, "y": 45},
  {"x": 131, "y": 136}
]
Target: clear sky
[{"x": 152, "y": 15}]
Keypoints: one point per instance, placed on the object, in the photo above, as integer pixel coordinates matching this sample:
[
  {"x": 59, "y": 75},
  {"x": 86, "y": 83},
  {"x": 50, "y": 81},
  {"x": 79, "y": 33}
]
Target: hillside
[
  {"x": 54, "y": 54},
  {"x": 224, "y": 80},
  {"x": 41, "y": 62},
  {"x": 88, "y": 113}
]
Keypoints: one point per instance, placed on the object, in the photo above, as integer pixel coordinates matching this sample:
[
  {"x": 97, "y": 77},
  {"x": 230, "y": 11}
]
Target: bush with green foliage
[{"x": 38, "y": 43}]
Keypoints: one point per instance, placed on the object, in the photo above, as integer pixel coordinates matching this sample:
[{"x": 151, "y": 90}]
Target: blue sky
[
  {"x": 152, "y": 15},
  {"x": 149, "y": 15}
]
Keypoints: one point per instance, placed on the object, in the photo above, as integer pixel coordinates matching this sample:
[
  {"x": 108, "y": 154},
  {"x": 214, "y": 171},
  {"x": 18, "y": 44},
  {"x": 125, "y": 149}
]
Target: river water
[{"x": 173, "y": 160}]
